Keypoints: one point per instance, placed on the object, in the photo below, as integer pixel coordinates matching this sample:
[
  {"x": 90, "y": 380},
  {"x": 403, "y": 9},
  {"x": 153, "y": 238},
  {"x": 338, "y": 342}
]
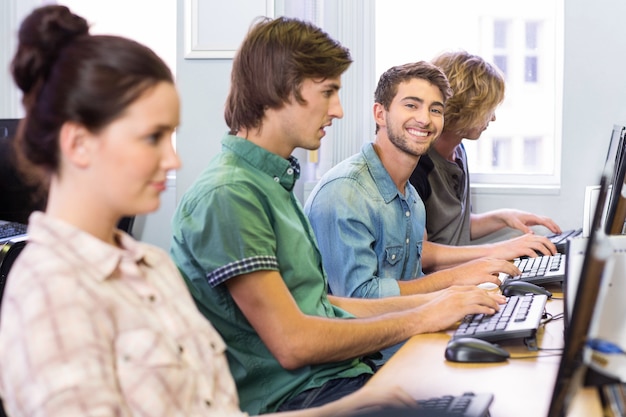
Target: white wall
[{"x": 11, "y": 14}]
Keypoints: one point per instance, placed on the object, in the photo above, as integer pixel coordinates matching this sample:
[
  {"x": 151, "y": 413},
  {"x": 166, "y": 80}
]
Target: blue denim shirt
[{"x": 370, "y": 234}]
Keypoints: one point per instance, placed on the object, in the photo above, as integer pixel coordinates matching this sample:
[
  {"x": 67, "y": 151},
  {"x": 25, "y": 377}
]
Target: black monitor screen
[
  {"x": 615, "y": 167},
  {"x": 571, "y": 368},
  {"x": 18, "y": 197}
]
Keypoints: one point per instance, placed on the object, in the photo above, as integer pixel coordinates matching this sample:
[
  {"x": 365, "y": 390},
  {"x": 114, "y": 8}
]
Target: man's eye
[{"x": 155, "y": 137}]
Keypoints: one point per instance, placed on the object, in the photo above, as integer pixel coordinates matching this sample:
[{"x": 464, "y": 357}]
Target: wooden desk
[{"x": 521, "y": 387}]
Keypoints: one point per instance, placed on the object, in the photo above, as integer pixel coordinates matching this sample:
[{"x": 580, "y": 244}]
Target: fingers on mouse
[
  {"x": 487, "y": 286},
  {"x": 518, "y": 287},
  {"x": 490, "y": 285}
]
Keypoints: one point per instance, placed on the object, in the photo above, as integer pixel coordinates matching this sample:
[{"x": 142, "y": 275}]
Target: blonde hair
[{"x": 478, "y": 89}]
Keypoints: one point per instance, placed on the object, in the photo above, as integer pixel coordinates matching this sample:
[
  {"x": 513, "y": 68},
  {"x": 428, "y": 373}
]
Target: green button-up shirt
[{"x": 241, "y": 216}]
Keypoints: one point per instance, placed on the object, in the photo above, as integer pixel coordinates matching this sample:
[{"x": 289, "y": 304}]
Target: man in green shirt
[{"x": 249, "y": 255}]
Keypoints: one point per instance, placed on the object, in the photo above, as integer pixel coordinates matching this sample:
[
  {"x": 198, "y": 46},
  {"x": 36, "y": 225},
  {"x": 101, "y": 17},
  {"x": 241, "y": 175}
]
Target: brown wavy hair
[{"x": 274, "y": 59}]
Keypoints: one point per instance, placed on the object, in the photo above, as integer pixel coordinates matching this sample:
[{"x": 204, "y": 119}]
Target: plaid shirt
[{"x": 91, "y": 329}]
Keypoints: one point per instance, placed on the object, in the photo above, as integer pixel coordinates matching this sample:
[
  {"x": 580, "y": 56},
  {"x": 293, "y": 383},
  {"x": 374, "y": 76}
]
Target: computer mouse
[
  {"x": 488, "y": 286},
  {"x": 469, "y": 349},
  {"x": 518, "y": 287}
]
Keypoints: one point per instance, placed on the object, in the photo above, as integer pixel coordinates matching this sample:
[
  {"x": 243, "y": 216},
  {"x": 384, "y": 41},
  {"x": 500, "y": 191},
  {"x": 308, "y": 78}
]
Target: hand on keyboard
[
  {"x": 520, "y": 317},
  {"x": 376, "y": 397},
  {"x": 529, "y": 245},
  {"x": 540, "y": 270},
  {"x": 452, "y": 304},
  {"x": 465, "y": 405},
  {"x": 521, "y": 220},
  {"x": 560, "y": 239},
  {"x": 480, "y": 271}
]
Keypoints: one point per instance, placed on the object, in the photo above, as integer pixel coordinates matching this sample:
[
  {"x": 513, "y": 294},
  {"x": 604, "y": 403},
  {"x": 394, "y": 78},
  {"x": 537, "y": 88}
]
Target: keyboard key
[
  {"x": 466, "y": 405},
  {"x": 519, "y": 317},
  {"x": 539, "y": 270},
  {"x": 11, "y": 229}
]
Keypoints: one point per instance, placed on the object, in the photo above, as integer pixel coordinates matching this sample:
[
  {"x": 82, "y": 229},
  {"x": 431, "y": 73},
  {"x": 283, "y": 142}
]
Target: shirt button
[
  {"x": 407, "y": 214},
  {"x": 290, "y": 171},
  {"x": 276, "y": 179},
  {"x": 180, "y": 349},
  {"x": 407, "y": 241},
  {"x": 151, "y": 298},
  {"x": 393, "y": 256},
  {"x": 207, "y": 402}
]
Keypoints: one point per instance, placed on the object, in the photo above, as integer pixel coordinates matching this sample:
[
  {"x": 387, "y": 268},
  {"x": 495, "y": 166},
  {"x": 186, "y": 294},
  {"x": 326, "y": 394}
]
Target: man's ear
[
  {"x": 379, "y": 114},
  {"x": 75, "y": 143}
]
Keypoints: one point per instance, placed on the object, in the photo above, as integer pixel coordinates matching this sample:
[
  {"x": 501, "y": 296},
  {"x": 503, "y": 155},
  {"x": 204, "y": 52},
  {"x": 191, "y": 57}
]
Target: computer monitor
[
  {"x": 616, "y": 147},
  {"x": 19, "y": 195},
  {"x": 573, "y": 366},
  {"x": 615, "y": 166}
]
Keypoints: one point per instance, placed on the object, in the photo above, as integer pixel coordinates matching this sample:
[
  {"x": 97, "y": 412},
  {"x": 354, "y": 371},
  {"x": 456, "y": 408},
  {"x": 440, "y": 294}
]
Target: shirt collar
[
  {"x": 386, "y": 187},
  {"x": 92, "y": 253},
  {"x": 283, "y": 171}
]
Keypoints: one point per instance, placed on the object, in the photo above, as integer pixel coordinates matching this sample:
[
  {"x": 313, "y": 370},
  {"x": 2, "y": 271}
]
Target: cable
[
  {"x": 536, "y": 356},
  {"x": 547, "y": 317}
]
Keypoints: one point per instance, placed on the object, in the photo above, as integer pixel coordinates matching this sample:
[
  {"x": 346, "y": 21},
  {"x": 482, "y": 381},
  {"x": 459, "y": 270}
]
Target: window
[
  {"x": 532, "y": 153},
  {"x": 531, "y": 59},
  {"x": 501, "y": 154},
  {"x": 500, "y": 43},
  {"x": 530, "y": 69},
  {"x": 523, "y": 38}
]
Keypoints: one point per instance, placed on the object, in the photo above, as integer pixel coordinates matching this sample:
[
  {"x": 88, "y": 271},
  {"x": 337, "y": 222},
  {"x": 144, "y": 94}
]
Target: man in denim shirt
[{"x": 369, "y": 220}]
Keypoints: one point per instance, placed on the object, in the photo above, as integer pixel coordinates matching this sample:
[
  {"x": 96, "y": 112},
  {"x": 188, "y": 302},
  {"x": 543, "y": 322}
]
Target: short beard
[{"x": 399, "y": 142}]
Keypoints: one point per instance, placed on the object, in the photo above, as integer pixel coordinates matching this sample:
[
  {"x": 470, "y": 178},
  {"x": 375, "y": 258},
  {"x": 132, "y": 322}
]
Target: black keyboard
[
  {"x": 11, "y": 229},
  {"x": 539, "y": 270},
  {"x": 520, "y": 317},
  {"x": 560, "y": 239},
  {"x": 466, "y": 405}
]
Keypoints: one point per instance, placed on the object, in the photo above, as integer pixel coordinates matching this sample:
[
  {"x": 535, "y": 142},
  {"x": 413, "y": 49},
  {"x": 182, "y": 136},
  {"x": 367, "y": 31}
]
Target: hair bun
[{"x": 42, "y": 35}]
